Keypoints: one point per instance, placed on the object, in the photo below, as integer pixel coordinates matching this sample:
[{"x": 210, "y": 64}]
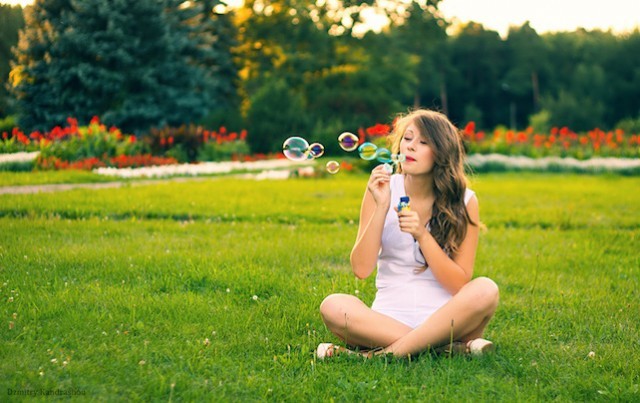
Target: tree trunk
[
  {"x": 536, "y": 90},
  {"x": 443, "y": 97}
]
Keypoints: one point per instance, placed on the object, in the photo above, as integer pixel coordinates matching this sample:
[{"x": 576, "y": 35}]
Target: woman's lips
[{"x": 410, "y": 159}]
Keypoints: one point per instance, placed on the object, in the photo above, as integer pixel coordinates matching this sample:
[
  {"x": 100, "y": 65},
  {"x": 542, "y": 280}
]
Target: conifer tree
[{"x": 134, "y": 63}]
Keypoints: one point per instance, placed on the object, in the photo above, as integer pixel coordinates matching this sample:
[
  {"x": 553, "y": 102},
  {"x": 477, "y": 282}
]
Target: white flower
[
  {"x": 591, "y": 354},
  {"x": 268, "y": 169},
  {"x": 19, "y": 157},
  {"x": 255, "y": 297}
]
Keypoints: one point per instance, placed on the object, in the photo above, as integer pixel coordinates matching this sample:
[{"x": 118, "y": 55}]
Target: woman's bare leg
[
  {"x": 357, "y": 324},
  {"x": 464, "y": 317}
]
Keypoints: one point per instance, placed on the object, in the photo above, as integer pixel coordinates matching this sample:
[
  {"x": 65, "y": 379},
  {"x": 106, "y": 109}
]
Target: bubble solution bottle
[{"x": 404, "y": 204}]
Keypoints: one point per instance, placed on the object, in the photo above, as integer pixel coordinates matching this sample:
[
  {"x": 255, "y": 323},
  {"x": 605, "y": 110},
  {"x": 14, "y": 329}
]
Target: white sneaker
[
  {"x": 480, "y": 347},
  {"x": 325, "y": 350}
]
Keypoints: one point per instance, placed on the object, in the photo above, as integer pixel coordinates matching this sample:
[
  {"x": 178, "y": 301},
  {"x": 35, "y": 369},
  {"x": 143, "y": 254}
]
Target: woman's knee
[
  {"x": 332, "y": 307},
  {"x": 485, "y": 294}
]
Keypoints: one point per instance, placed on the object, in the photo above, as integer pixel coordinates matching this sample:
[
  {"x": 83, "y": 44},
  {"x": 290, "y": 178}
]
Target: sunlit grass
[
  {"x": 209, "y": 291},
  {"x": 50, "y": 177}
]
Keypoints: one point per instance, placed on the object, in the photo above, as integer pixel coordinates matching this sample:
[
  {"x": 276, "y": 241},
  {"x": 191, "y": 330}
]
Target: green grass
[
  {"x": 8, "y": 178},
  {"x": 127, "y": 284}
]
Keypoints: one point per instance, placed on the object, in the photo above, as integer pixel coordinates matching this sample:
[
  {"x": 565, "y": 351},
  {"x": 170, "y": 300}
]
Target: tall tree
[
  {"x": 420, "y": 31},
  {"x": 134, "y": 63},
  {"x": 526, "y": 63},
  {"x": 623, "y": 70},
  {"x": 581, "y": 87},
  {"x": 11, "y": 22},
  {"x": 477, "y": 55}
]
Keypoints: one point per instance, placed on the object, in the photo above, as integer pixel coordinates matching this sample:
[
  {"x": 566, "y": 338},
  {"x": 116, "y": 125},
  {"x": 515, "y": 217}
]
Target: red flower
[
  {"x": 510, "y": 136},
  {"x": 522, "y": 137},
  {"x": 378, "y": 130},
  {"x": 346, "y": 166},
  {"x": 95, "y": 120},
  {"x": 469, "y": 129}
]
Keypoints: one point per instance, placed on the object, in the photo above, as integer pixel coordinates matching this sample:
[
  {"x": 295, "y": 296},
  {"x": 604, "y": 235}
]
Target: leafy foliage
[
  {"x": 273, "y": 125},
  {"x": 134, "y": 63},
  {"x": 171, "y": 63},
  {"x": 11, "y": 21}
]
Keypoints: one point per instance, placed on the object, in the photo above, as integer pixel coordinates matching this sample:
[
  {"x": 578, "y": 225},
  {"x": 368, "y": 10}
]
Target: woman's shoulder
[{"x": 468, "y": 194}]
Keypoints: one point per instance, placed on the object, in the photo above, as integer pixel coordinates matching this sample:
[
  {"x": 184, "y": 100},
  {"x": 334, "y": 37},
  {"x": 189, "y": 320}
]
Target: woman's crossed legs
[{"x": 464, "y": 316}]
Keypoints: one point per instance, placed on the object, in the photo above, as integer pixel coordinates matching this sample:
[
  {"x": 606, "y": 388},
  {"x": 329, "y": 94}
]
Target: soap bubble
[
  {"x": 348, "y": 141},
  {"x": 388, "y": 168},
  {"x": 367, "y": 151},
  {"x": 333, "y": 167},
  {"x": 383, "y": 155},
  {"x": 396, "y": 158},
  {"x": 316, "y": 150},
  {"x": 296, "y": 149}
]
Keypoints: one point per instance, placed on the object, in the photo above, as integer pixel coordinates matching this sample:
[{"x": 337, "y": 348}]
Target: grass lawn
[
  {"x": 8, "y": 178},
  {"x": 209, "y": 290}
]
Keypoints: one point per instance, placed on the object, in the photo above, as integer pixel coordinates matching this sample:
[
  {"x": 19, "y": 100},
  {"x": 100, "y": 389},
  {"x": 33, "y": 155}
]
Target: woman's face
[{"x": 419, "y": 154}]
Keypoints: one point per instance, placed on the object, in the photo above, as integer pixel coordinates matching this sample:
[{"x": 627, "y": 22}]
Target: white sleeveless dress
[{"x": 405, "y": 292}]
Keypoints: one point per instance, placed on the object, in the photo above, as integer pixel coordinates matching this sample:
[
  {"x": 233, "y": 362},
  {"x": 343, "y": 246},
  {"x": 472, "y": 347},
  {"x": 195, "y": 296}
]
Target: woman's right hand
[{"x": 379, "y": 186}]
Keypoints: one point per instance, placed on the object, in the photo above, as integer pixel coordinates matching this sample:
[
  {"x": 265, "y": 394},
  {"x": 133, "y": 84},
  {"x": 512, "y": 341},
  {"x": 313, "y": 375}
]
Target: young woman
[{"x": 425, "y": 255}]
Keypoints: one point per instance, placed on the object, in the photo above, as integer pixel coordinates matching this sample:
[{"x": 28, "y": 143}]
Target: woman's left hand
[{"x": 410, "y": 223}]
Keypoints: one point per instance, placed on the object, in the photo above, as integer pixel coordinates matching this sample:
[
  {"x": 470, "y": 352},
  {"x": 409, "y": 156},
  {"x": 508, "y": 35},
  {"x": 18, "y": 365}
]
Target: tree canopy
[{"x": 307, "y": 66}]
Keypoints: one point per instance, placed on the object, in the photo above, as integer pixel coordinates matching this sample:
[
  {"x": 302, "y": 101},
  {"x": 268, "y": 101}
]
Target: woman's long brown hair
[{"x": 449, "y": 217}]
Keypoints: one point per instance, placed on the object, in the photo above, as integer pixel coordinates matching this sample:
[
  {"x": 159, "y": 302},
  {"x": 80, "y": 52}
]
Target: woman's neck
[{"x": 419, "y": 186}]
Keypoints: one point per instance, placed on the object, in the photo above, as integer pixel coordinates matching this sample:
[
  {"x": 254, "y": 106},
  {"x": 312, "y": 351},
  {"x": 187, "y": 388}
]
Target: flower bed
[
  {"x": 95, "y": 146},
  {"x": 559, "y": 142}
]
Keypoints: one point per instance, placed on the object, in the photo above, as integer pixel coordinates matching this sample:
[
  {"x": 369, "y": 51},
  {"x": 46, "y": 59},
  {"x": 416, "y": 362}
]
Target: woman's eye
[{"x": 423, "y": 142}]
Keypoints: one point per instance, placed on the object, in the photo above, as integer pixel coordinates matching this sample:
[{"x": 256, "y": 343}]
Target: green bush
[
  {"x": 629, "y": 125},
  {"x": 276, "y": 113},
  {"x": 181, "y": 143},
  {"x": 94, "y": 140},
  {"x": 224, "y": 151},
  {"x": 18, "y": 166},
  {"x": 7, "y": 123}
]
